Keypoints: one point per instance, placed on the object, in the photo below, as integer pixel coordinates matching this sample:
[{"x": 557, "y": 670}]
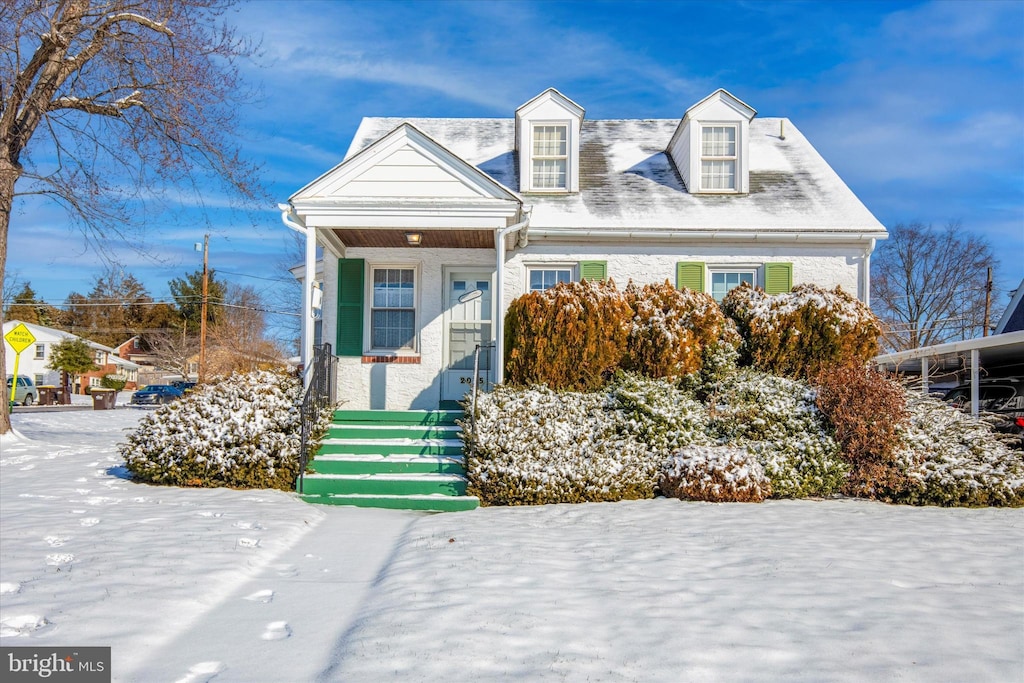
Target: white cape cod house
[{"x": 423, "y": 212}]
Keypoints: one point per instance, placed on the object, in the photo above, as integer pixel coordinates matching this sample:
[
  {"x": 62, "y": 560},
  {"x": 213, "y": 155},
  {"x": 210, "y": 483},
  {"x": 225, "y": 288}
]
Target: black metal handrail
[
  {"x": 476, "y": 380},
  {"x": 319, "y": 396}
]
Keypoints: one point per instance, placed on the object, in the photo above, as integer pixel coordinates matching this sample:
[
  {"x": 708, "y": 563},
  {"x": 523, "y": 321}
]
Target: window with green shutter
[
  {"x": 690, "y": 274},
  {"x": 593, "y": 270},
  {"x": 351, "y": 273},
  {"x": 778, "y": 277}
]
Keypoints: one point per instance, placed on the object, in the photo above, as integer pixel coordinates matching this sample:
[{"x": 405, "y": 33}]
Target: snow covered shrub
[
  {"x": 659, "y": 413},
  {"x": 777, "y": 419},
  {"x": 953, "y": 459},
  {"x": 672, "y": 330},
  {"x": 241, "y": 432},
  {"x": 718, "y": 474},
  {"x": 536, "y": 446},
  {"x": 800, "y": 333},
  {"x": 569, "y": 337},
  {"x": 866, "y": 410}
]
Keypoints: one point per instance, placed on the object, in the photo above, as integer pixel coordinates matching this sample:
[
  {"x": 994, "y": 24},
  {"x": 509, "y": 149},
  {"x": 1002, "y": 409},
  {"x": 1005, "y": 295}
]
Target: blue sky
[{"x": 918, "y": 106}]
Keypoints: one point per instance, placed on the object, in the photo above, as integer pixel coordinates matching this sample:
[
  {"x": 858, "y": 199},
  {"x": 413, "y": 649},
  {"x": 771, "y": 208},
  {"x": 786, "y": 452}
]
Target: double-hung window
[
  {"x": 718, "y": 158},
  {"x": 546, "y": 278},
  {"x": 393, "y": 314},
  {"x": 550, "y": 159},
  {"x": 40, "y": 351},
  {"x": 722, "y": 281}
]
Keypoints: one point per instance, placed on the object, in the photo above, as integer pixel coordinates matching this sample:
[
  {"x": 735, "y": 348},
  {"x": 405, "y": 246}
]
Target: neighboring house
[
  {"x": 34, "y": 360},
  {"x": 423, "y": 212}
]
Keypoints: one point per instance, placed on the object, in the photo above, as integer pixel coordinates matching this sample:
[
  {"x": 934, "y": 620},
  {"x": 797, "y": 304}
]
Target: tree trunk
[{"x": 9, "y": 174}]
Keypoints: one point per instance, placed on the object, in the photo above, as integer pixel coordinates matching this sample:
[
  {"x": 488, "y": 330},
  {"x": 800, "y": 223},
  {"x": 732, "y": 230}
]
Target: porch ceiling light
[{"x": 414, "y": 238}]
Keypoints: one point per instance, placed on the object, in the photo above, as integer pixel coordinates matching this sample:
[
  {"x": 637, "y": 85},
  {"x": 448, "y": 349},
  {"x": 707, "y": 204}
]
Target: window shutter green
[
  {"x": 593, "y": 270},
  {"x": 778, "y": 277},
  {"x": 690, "y": 274},
  {"x": 351, "y": 273}
]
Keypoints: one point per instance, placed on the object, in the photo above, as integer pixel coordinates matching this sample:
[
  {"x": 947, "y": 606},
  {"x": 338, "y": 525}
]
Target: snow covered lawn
[{"x": 200, "y": 585}]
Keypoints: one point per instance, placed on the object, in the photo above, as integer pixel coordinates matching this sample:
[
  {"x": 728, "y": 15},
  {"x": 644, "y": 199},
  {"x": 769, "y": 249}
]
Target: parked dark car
[
  {"x": 184, "y": 386},
  {"x": 155, "y": 394},
  {"x": 1003, "y": 397}
]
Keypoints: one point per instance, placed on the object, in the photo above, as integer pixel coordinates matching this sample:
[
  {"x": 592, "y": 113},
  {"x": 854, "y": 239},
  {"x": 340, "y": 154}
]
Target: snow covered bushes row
[
  {"x": 535, "y": 445},
  {"x": 802, "y": 332},
  {"x": 575, "y": 335},
  {"x": 242, "y": 432},
  {"x": 755, "y": 435}
]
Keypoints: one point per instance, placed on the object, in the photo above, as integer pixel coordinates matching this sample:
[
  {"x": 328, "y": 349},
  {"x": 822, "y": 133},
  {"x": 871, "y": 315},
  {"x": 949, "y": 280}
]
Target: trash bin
[
  {"x": 63, "y": 396},
  {"x": 47, "y": 395},
  {"x": 103, "y": 399}
]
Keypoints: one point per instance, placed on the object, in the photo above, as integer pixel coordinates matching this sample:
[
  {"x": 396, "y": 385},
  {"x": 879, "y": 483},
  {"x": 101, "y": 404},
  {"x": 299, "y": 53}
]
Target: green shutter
[
  {"x": 351, "y": 272},
  {"x": 690, "y": 275},
  {"x": 593, "y": 270},
  {"x": 778, "y": 277}
]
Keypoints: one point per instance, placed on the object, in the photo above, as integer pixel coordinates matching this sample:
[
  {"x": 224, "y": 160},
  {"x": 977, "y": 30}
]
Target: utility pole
[
  {"x": 988, "y": 302},
  {"x": 202, "y": 320}
]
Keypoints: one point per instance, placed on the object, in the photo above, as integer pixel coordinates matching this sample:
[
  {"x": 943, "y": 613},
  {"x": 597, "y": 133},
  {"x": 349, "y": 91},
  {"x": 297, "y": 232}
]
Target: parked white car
[{"x": 26, "y": 392}]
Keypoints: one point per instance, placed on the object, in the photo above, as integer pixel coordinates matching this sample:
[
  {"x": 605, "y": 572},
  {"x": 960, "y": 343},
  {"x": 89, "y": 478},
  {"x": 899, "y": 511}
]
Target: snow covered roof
[
  {"x": 50, "y": 334},
  {"x": 629, "y": 182}
]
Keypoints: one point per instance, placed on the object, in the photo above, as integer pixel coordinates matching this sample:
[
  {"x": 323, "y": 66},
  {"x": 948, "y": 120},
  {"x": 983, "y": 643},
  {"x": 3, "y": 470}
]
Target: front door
[{"x": 468, "y": 310}]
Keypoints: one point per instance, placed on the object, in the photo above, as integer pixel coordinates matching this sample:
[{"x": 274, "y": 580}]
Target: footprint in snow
[
  {"x": 285, "y": 570},
  {"x": 56, "y": 541},
  {"x": 207, "y": 513},
  {"x": 202, "y": 672},
  {"x": 8, "y": 588},
  {"x": 263, "y": 596},
  {"x": 21, "y": 625},
  {"x": 277, "y": 630},
  {"x": 89, "y": 521},
  {"x": 249, "y": 542},
  {"x": 248, "y": 525},
  {"x": 59, "y": 559}
]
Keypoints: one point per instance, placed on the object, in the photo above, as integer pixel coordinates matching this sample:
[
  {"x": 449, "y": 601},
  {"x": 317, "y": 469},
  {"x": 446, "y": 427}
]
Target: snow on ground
[{"x": 219, "y": 585}]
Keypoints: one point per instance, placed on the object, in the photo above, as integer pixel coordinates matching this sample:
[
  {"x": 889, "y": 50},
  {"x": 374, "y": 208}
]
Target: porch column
[
  {"x": 292, "y": 222},
  {"x": 498, "y": 305}
]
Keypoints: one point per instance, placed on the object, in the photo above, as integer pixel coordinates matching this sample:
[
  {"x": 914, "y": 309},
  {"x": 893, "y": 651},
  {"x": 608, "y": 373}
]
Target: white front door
[{"x": 467, "y": 324}]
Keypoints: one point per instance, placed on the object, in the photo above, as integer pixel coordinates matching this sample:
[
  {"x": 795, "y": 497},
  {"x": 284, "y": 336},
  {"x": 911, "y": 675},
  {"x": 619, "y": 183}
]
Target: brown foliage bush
[
  {"x": 867, "y": 411},
  {"x": 570, "y": 337},
  {"x": 717, "y": 474},
  {"x": 803, "y": 332},
  {"x": 672, "y": 330}
]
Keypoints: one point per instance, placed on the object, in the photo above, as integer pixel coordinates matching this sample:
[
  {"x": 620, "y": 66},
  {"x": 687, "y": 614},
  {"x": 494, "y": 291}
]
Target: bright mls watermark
[{"x": 55, "y": 664}]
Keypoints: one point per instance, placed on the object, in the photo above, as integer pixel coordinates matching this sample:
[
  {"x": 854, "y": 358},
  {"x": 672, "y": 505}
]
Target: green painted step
[
  {"x": 408, "y": 417},
  {"x": 392, "y": 446},
  {"x": 371, "y": 463},
  {"x": 393, "y": 431},
  {"x": 432, "y": 503},
  {"x": 384, "y": 484}
]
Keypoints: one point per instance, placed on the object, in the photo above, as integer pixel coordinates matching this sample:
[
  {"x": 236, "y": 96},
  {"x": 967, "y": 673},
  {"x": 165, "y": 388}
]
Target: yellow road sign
[{"x": 20, "y": 338}]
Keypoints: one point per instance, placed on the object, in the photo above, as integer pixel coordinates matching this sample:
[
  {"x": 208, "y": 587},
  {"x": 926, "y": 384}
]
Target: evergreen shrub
[
  {"x": 717, "y": 474},
  {"x": 954, "y": 459},
  {"x": 776, "y": 419},
  {"x": 570, "y": 337},
  {"x": 800, "y": 333},
  {"x": 867, "y": 411},
  {"x": 672, "y": 331},
  {"x": 535, "y": 446},
  {"x": 242, "y": 432}
]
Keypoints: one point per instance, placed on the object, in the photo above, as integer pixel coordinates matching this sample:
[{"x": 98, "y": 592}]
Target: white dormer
[
  {"x": 711, "y": 145},
  {"x": 548, "y": 143}
]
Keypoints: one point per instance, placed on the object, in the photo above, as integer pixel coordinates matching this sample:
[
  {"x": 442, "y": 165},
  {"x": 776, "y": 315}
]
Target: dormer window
[
  {"x": 550, "y": 160},
  {"x": 548, "y": 130},
  {"x": 711, "y": 145},
  {"x": 718, "y": 158}
]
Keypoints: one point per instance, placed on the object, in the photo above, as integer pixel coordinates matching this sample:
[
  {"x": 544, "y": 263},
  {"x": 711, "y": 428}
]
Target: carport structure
[{"x": 1000, "y": 355}]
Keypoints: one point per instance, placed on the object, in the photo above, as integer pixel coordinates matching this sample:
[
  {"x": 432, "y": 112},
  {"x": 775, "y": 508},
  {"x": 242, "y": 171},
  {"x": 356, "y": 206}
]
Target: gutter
[
  {"x": 499, "y": 286},
  {"x": 293, "y": 222},
  {"x": 745, "y": 235}
]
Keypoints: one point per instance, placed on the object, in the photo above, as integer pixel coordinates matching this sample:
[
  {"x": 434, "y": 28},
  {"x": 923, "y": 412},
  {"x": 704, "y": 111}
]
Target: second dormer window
[
  {"x": 718, "y": 158},
  {"x": 550, "y": 157}
]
